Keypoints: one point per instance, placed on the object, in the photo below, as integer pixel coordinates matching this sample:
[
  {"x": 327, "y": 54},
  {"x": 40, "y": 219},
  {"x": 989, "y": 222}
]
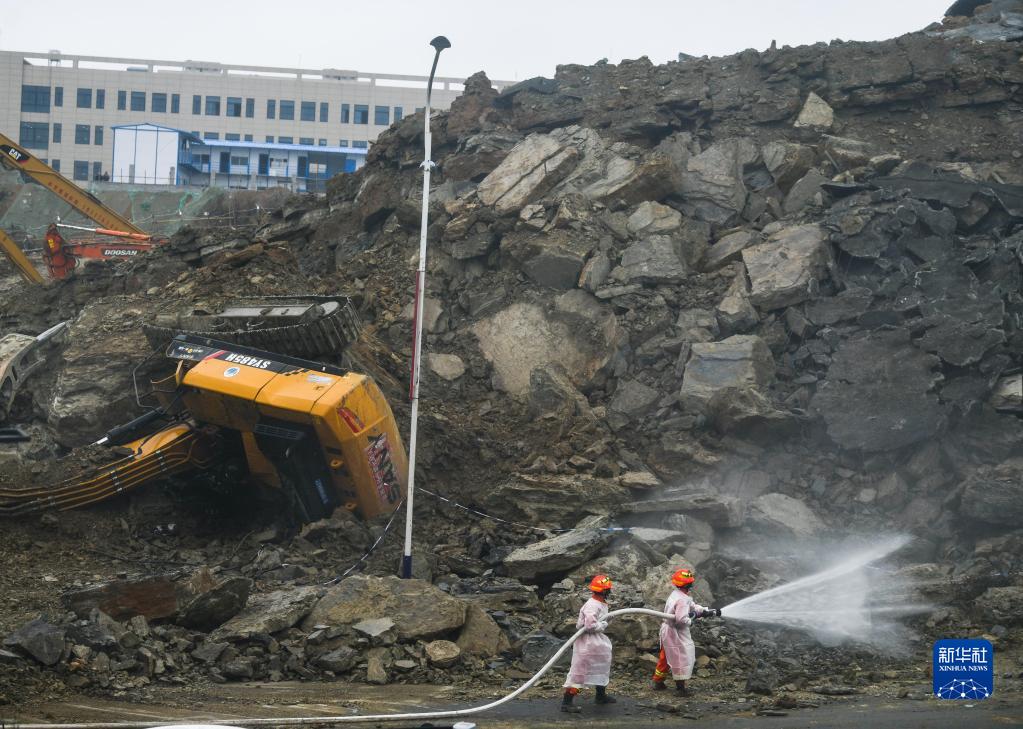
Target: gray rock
[
  {"x": 209, "y": 651},
  {"x": 39, "y": 639},
  {"x": 339, "y": 660},
  {"x": 994, "y": 500},
  {"x": 632, "y": 398},
  {"x": 714, "y": 509},
  {"x": 378, "y": 629},
  {"x": 1003, "y": 605},
  {"x": 697, "y": 325},
  {"x": 213, "y": 608},
  {"x": 656, "y": 259},
  {"x": 446, "y": 366},
  {"x": 741, "y": 361},
  {"x": 551, "y": 391},
  {"x": 712, "y": 183},
  {"x": 533, "y": 167},
  {"x": 240, "y": 668},
  {"x": 847, "y": 305},
  {"x": 656, "y": 586},
  {"x": 418, "y": 609},
  {"x": 268, "y": 613},
  {"x": 848, "y": 153},
  {"x": 728, "y": 249},
  {"x": 805, "y": 192},
  {"x": 762, "y": 679},
  {"x": 481, "y": 635},
  {"x": 595, "y": 272},
  {"x": 735, "y": 313},
  {"x": 377, "y": 660},
  {"x": 537, "y": 649},
  {"x": 560, "y": 553},
  {"x": 878, "y": 393},
  {"x": 781, "y": 515},
  {"x": 787, "y": 162},
  {"x": 552, "y": 258},
  {"x": 432, "y": 311},
  {"x": 652, "y": 218},
  {"x": 816, "y": 114},
  {"x": 788, "y": 267}
]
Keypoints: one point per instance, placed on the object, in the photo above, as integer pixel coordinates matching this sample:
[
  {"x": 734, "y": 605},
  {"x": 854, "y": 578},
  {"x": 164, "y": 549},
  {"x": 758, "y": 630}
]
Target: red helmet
[
  {"x": 600, "y": 583},
  {"x": 683, "y": 578}
]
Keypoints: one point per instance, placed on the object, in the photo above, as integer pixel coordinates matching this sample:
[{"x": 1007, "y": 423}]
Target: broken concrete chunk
[{"x": 788, "y": 267}]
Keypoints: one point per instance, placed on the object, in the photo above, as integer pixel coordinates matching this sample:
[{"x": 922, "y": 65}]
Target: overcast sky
[{"x": 509, "y": 40}]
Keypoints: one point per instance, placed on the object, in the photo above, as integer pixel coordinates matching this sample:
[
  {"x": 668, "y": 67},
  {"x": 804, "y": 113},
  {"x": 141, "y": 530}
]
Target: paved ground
[{"x": 240, "y": 701}]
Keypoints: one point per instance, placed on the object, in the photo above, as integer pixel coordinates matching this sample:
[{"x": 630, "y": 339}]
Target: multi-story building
[{"x": 64, "y": 107}]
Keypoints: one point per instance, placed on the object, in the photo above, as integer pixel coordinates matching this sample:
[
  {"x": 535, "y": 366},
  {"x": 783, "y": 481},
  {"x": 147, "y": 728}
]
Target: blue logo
[{"x": 964, "y": 669}]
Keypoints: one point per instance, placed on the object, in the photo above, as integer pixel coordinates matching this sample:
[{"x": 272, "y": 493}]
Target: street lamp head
[{"x": 440, "y": 43}]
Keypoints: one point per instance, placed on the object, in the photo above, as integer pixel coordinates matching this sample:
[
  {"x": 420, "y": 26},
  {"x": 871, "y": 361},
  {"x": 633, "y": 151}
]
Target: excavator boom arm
[
  {"x": 17, "y": 256},
  {"x": 16, "y": 157}
]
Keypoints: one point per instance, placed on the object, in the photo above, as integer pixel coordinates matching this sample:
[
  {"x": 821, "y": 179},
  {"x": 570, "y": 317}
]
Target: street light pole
[{"x": 439, "y": 44}]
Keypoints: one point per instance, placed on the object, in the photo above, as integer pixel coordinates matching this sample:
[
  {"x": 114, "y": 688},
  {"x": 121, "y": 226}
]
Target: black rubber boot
[
  {"x": 567, "y": 706},
  {"x": 603, "y": 698},
  {"x": 680, "y": 688},
  {"x": 659, "y": 686}
]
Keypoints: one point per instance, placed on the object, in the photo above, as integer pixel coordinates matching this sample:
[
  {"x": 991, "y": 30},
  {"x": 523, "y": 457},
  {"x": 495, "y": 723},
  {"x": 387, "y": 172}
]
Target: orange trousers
[{"x": 662, "y": 670}]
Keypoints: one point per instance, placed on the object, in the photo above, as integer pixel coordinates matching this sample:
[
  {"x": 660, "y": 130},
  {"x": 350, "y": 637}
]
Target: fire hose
[{"x": 312, "y": 721}]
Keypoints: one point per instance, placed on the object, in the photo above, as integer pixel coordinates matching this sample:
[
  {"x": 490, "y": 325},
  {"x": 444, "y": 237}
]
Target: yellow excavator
[
  {"x": 62, "y": 256},
  {"x": 325, "y": 436}
]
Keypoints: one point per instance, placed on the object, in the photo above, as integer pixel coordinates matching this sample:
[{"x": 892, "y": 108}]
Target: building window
[
  {"x": 287, "y": 110},
  {"x": 285, "y": 140},
  {"x": 175, "y": 103},
  {"x": 308, "y": 111},
  {"x": 138, "y": 100},
  {"x": 84, "y": 98},
  {"x": 35, "y": 99},
  {"x": 57, "y": 129},
  {"x": 35, "y": 135},
  {"x": 58, "y": 96},
  {"x": 305, "y": 140},
  {"x": 250, "y": 108},
  {"x": 398, "y": 113},
  {"x": 382, "y": 116},
  {"x": 159, "y": 103},
  {"x": 122, "y": 100},
  {"x": 211, "y": 135},
  {"x": 234, "y": 106},
  {"x": 360, "y": 144},
  {"x": 420, "y": 109},
  {"x": 55, "y": 164},
  {"x": 196, "y": 104},
  {"x": 81, "y": 170},
  {"x": 248, "y": 137},
  {"x": 269, "y": 139},
  {"x": 231, "y": 137},
  {"x": 212, "y": 106},
  {"x": 324, "y": 111},
  {"x": 342, "y": 142},
  {"x": 361, "y": 114},
  {"x": 97, "y": 170},
  {"x": 271, "y": 108},
  {"x": 97, "y": 135},
  {"x": 240, "y": 162},
  {"x": 345, "y": 113},
  {"x": 81, "y": 133},
  {"x": 321, "y": 142},
  {"x": 101, "y": 98}
]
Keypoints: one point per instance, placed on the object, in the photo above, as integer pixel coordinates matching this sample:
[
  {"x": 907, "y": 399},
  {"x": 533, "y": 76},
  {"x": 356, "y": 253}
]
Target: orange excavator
[{"x": 119, "y": 238}]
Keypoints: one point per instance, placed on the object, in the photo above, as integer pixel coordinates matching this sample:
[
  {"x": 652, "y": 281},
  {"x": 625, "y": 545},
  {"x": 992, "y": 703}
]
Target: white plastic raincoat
[
  {"x": 591, "y": 653},
  {"x": 679, "y": 649}
]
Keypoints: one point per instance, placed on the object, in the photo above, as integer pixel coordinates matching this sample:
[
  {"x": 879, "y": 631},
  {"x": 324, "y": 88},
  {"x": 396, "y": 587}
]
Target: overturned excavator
[{"x": 324, "y": 436}]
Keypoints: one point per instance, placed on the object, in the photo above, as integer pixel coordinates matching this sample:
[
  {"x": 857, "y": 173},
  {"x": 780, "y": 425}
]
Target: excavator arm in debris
[
  {"x": 17, "y": 256},
  {"x": 20, "y": 356},
  {"x": 175, "y": 449}
]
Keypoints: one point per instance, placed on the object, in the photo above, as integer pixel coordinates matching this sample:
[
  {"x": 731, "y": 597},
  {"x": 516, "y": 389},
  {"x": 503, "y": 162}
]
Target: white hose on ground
[{"x": 349, "y": 719}]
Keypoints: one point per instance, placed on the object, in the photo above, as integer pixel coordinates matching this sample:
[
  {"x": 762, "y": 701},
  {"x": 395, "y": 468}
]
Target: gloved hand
[
  {"x": 685, "y": 621},
  {"x": 601, "y": 626}
]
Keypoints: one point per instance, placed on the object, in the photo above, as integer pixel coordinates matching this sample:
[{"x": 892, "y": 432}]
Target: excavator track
[
  {"x": 301, "y": 326},
  {"x": 175, "y": 449}
]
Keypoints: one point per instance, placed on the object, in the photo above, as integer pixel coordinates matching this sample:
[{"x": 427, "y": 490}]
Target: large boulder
[
  {"x": 533, "y": 167},
  {"x": 268, "y": 613},
  {"x": 781, "y": 515},
  {"x": 560, "y": 553},
  {"x": 632, "y": 398},
  {"x": 787, "y": 162},
  {"x": 552, "y": 258},
  {"x": 714, "y": 509},
  {"x": 656, "y": 259},
  {"x": 712, "y": 183},
  {"x": 627, "y": 561},
  {"x": 419, "y": 610},
  {"x": 739, "y": 362},
  {"x": 481, "y": 635},
  {"x": 787, "y": 268},
  {"x": 216, "y": 606},
  {"x": 878, "y": 394},
  {"x": 39, "y": 639},
  {"x": 816, "y": 114},
  {"x": 551, "y": 391},
  {"x": 1003, "y": 605},
  {"x": 580, "y": 334},
  {"x": 554, "y": 499},
  {"x": 995, "y": 499}
]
